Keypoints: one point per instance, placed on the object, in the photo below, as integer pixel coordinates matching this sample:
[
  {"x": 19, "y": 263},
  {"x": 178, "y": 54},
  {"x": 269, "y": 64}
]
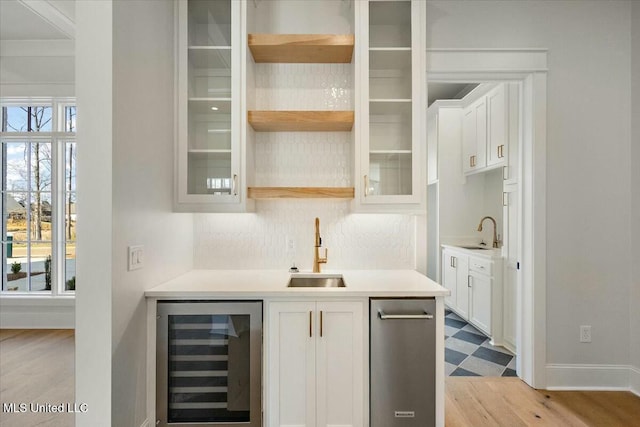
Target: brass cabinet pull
[
  {"x": 469, "y": 283},
  {"x": 454, "y": 261},
  {"x": 234, "y": 188},
  {"x": 366, "y": 185},
  {"x": 505, "y": 199},
  {"x": 505, "y": 174},
  {"x": 500, "y": 151},
  {"x": 310, "y": 324},
  {"x": 321, "y": 323}
]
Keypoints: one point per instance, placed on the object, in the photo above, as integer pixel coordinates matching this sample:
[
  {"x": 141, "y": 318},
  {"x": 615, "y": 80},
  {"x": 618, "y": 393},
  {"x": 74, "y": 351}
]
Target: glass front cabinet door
[
  {"x": 391, "y": 125},
  {"x": 209, "y": 137}
]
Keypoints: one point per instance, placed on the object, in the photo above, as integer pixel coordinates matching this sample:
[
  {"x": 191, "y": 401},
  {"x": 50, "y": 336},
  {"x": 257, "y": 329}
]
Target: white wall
[
  {"x": 94, "y": 243},
  {"x": 143, "y": 141},
  {"x": 634, "y": 301},
  {"x": 588, "y": 166},
  {"x": 125, "y": 180}
]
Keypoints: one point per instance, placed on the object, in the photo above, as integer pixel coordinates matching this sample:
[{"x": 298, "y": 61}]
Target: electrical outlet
[
  {"x": 135, "y": 257},
  {"x": 585, "y": 333},
  {"x": 290, "y": 244}
]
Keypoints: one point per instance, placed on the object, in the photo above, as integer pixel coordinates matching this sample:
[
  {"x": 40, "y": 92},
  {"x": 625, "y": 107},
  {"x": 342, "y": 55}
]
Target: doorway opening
[
  {"x": 526, "y": 69},
  {"x": 473, "y": 143}
]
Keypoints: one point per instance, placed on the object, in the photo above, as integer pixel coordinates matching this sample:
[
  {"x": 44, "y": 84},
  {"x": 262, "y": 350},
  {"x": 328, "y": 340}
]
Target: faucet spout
[
  {"x": 317, "y": 259},
  {"x": 496, "y": 243}
]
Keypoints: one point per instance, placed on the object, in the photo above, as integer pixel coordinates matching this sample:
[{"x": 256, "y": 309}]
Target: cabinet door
[
  {"x": 480, "y": 301},
  {"x": 474, "y": 136},
  {"x": 462, "y": 286},
  {"x": 208, "y": 109},
  {"x": 390, "y": 138},
  {"x": 510, "y": 174},
  {"x": 449, "y": 277},
  {"x": 340, "y": 364},
  {"x": 497, "y": 125},
  {"x": 291, "y": 377},
  {"x": 511, "y": 272}
]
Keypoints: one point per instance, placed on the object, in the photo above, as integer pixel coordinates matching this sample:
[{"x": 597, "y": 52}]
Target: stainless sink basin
[
  {"x": 316, "y": 281},
  {"x": 475, "y": 247}
]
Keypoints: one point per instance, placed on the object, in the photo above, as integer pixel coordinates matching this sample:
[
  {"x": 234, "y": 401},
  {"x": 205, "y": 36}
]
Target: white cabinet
[
  {"x": 390, "y": 99},
  {"x": 209, "y": 134},
  {"x": 454, "y": 277},
  {"x": 511, "y": 264},
  {"x": 474, "y": 136},
  {"x": 497, "y": 128},
  {"x": 476, "y": 290},
  {"x": 480, "y": 293},
  {"x": 487, "y": 127},
  {"x": 315, "y": 361}
]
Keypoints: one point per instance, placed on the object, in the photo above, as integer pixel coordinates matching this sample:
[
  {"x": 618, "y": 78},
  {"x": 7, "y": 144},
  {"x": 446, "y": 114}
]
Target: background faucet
[
  {"x": 495, "y": 235},
  {"x": 317, "y": 260}
]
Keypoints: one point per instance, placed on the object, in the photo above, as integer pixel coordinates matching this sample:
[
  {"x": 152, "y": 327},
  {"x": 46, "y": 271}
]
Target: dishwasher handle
[{"x": 385, "y": 316}]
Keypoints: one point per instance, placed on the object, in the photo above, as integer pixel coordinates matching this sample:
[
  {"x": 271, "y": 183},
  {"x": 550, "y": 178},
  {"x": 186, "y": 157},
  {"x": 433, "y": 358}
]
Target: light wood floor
[
  {"x": 509, "y": 402},
  {"x": 37, "y": 366}
]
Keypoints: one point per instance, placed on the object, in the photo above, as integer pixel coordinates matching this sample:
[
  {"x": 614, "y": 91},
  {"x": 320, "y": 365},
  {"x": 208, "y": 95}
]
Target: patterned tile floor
[{"x": 467, "y": 352}]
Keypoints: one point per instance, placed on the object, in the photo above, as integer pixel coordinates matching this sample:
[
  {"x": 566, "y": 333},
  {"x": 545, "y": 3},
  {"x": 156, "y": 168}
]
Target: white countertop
[
  {"x": 273, "y": 283},
  {"x": 491, "y": 253}
]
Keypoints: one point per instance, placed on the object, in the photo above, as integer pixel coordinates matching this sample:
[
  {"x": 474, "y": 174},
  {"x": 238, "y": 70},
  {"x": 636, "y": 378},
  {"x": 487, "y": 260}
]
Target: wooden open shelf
[
  {"x": 301, "y": 192},
  {"x": 301, "y": 121},
  {"x": 301, "y": 48}
]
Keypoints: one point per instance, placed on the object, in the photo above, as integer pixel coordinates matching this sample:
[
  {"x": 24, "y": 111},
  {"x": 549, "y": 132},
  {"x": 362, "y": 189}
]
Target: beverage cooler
[{"x": 208, "y": 363}]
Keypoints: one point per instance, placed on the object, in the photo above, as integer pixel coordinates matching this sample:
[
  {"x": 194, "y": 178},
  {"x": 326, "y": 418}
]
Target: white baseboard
[
  {"x": 37, "y": 313},
  {"x": 634, "y": 380},
  {"x": 145, "y": 423},
  {"x": 588, "y": 377}
]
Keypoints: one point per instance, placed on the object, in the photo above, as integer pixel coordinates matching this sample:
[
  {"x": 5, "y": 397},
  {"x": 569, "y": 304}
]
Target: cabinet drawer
[{"x": 480, "y": 265}]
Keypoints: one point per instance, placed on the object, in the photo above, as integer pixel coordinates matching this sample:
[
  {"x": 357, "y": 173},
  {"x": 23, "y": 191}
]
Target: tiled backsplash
[
  {"x": 257, "y": 241},
  {"x": 304, "y": 87}
]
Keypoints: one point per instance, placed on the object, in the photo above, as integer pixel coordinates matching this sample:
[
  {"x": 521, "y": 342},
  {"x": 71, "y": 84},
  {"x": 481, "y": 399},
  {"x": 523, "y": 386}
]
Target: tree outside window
[{"x": 38, "y": 198}]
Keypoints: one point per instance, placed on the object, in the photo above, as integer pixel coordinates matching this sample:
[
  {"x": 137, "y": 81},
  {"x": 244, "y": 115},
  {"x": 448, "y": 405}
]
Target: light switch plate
[{"x": 135, "y": 259}]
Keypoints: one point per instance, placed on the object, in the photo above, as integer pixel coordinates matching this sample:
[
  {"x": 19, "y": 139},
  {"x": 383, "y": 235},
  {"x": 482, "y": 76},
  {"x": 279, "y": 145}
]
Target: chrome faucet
[
  {"x": 496, "y": 243},
  {"x": 316, "y": 253}
]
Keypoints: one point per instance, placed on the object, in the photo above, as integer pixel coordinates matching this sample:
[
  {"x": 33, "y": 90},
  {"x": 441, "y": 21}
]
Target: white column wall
[
  {"x": 94, "y": 242},
  {"x": 143, "y": 141}
]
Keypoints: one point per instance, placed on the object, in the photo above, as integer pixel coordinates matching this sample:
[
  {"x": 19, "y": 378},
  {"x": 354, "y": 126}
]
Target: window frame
[{"x": 58, "y": 138}]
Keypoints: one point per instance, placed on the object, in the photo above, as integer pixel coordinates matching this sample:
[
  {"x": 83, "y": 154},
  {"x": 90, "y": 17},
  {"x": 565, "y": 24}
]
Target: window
[{"x": 38, "y": 196}]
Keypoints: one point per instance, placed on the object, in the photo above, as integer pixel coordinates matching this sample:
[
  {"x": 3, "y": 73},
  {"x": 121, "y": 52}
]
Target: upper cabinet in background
[
  {"x": 210, "y": 145},
  {"x": 390, "y": 150},
  {"x": 485, "y": 130}
]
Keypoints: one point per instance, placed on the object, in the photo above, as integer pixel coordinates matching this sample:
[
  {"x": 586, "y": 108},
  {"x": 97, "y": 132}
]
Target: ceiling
[{"x": 37, "y": 20}]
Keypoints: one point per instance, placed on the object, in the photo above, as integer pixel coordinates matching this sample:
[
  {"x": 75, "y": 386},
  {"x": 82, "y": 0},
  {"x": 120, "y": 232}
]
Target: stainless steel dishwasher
[{"x": 402, "y": 362}]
